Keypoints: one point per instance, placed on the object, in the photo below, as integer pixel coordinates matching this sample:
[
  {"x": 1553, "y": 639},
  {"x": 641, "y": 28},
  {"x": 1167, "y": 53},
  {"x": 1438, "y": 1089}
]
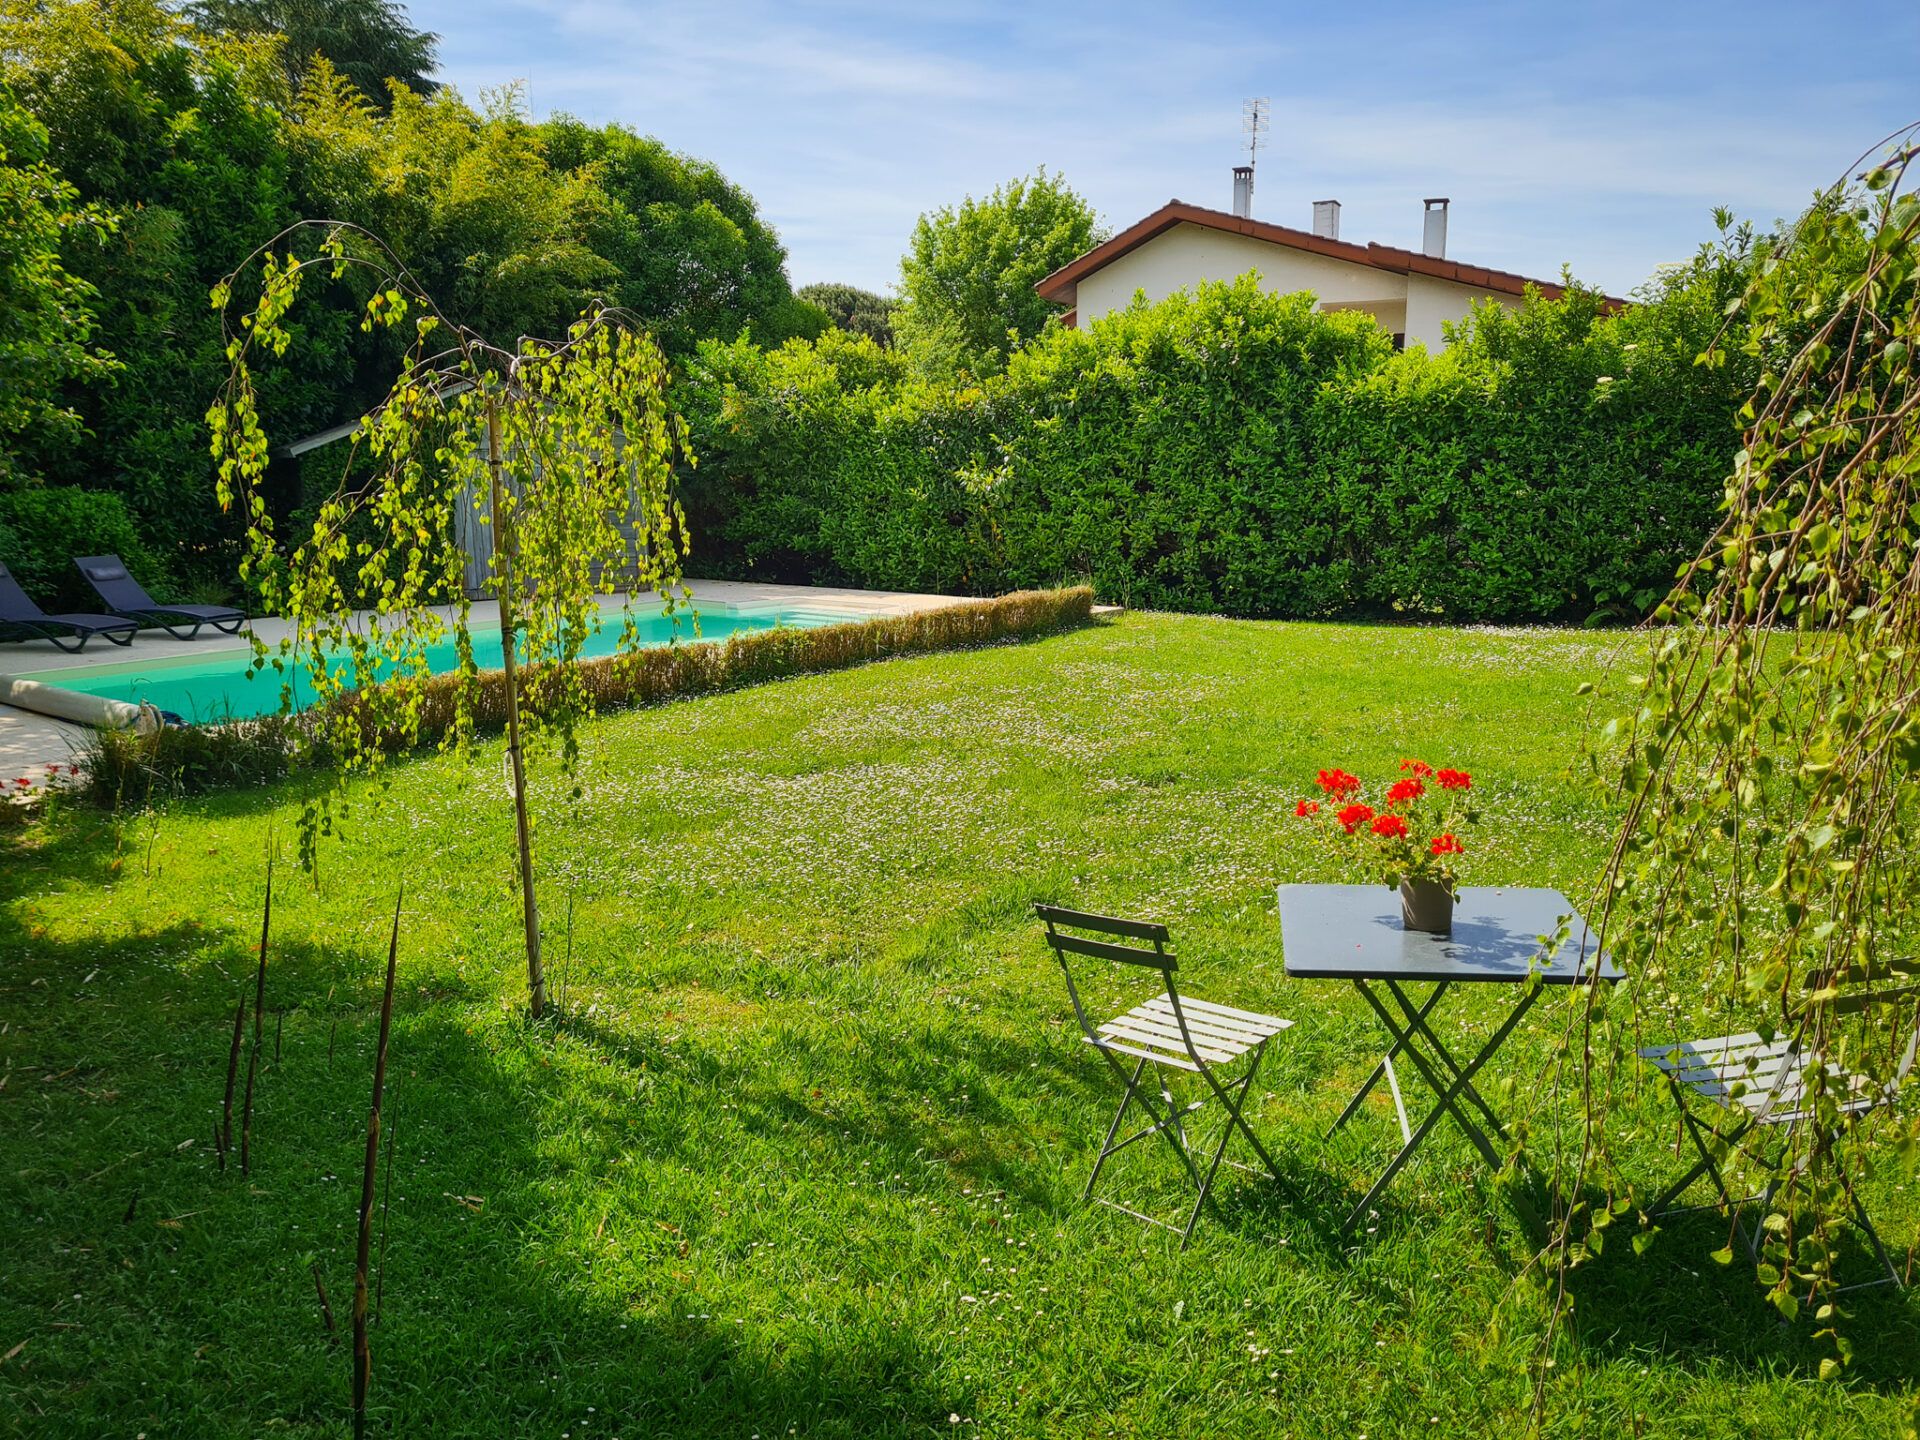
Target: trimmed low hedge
[{"x": 122, "y": 767}]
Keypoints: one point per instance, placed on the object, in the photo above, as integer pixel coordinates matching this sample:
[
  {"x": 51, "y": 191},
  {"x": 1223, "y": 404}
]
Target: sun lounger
[
  {"x": 70, "y": 632},
  {"x": 124, "y": 596}
]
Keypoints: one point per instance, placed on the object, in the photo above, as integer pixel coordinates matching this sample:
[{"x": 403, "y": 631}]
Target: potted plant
[{"x": 1411, "y": 840}]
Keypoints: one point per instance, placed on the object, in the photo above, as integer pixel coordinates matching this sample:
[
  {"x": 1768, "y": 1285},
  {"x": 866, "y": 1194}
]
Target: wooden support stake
[{"x": 507, "y": 551}]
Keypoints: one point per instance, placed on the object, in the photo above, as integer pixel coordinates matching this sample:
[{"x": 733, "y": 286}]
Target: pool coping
[{"x": 30, "y": 742}]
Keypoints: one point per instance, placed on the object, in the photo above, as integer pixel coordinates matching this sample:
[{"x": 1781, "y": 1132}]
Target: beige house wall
[
  {"x": 1185, "y": 255},
  {"x": 1431, "y": 301}
]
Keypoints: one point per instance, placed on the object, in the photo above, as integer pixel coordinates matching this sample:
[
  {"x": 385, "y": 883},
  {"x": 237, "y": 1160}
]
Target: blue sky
[{"x": 1598, "y": 136}]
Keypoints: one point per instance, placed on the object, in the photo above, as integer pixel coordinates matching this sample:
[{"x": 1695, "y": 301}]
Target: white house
[{"x": 1408, "y": 292}]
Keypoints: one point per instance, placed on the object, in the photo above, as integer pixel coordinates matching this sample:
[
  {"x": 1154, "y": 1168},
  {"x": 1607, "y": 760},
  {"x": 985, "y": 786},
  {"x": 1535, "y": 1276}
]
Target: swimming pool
[{"x": 212, "y": 688}]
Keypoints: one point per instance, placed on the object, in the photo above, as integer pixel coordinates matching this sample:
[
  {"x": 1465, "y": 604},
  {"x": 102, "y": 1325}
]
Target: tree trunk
[{"x": 503, "y": 589}]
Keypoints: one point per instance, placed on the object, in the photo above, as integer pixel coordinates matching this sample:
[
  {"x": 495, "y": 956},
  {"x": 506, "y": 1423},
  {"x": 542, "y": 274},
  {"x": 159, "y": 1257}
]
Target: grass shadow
[{"x": 1677, "y": 1302}]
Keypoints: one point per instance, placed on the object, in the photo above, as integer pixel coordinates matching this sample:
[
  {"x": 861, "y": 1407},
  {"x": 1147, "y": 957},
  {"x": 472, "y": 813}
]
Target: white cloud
[{"x": 1604, "y": 147}]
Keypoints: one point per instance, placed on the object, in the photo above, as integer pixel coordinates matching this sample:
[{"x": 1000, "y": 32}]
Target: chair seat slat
[
  {"x": 1178, "y": 1061},
  {"x": 1220, "y": 1017},
  {"x": 1150, "y": 1031},
  {"x": 1716, "y": 1045},
  {"x": 1736, "y": 1067}
]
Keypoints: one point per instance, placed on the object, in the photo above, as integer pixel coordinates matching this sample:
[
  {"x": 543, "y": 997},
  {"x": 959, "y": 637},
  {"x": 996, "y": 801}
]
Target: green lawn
[{"x": 803, "y": 1156}]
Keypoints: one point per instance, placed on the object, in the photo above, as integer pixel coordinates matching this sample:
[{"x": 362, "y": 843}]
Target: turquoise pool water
[{"x": 213, "y": 688}]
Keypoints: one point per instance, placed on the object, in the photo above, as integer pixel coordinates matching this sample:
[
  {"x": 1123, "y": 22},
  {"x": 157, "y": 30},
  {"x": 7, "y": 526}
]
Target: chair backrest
[
  {"x": 15, "y": 603},
  {"x": 1062, "y": 926},
  {"x": 1856, "y": 989},
  {"x": 108, "y": 575}
]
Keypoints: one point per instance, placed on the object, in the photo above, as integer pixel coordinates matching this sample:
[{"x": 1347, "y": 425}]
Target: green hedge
[
  {"x": 1239, "y": 452},
  {"x": 42, "y": 529},
  {"x": 126, "y": 768}
]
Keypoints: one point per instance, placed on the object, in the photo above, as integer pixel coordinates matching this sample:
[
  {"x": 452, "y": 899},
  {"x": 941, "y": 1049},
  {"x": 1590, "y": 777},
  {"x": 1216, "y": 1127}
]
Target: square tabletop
[{"x": 1353, "y": 932}]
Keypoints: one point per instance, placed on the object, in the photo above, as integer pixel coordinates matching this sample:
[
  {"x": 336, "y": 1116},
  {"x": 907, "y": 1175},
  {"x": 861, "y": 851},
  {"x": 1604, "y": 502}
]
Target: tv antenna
[{"x": 1254, "y": 116}]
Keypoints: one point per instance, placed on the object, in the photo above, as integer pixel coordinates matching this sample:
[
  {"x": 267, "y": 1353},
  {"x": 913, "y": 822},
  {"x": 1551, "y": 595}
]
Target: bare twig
[
  {"x": 259, "y": 1005},
  {"x": 223, "y": 1132},
  {"x": 326, "y": 1308},
  {"x": 386, "y": 1195},
  {"x": 362, "y": 1359}
]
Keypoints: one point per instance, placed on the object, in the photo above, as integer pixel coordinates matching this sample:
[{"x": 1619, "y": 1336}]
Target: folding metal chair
[
  {"x": 1754, "y": 1083},
  {"x": 1174, "y": 1034}
]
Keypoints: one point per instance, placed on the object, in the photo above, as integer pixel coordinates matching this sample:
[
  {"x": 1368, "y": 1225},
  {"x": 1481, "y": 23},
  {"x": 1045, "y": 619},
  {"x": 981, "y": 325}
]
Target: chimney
[
  {"x": 1326, "y": 219},
  {"x": 1433, "y": 240},
  {"x": 1243, "y": 191}
]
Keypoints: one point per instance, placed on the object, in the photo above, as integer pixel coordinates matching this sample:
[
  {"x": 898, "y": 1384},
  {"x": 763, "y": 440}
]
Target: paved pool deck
[{"x": 29, "y": 743}]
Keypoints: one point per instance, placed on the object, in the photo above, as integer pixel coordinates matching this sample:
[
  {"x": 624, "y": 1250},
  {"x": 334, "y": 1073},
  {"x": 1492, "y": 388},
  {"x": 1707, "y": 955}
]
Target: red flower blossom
[
  {"x": 1418, "y": 767},
  {"x": 1445, "y": 845},
  {"x": 1337, "y": 783},
  {"x": 1307, "y": 807},
  {"x": 1454, "y": 780},
  {"x": 1411, "y": 788},
  {"x": 1354, "y": 816},
  {"x": 24, "y": 783},
  {"x": 1390, "y": 827}
]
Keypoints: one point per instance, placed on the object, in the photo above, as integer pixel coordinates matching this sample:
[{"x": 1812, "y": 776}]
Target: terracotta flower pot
[{"x": 1426, "y": 905}]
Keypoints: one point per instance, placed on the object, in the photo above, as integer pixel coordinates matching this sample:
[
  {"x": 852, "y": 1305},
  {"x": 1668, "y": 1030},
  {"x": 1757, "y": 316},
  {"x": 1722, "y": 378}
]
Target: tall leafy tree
[
  {"x": 507, "y": 241},
  {"x": 695, "y": 259},
  {"x": 368, "y": 41},
  {"x": 966, "y": 281},
  {"x": 1764, "y": 754},
  {"x": 179, "y": 138},
  {"x": 47, "y": 321},
  {"x": 858, "y": 311}
]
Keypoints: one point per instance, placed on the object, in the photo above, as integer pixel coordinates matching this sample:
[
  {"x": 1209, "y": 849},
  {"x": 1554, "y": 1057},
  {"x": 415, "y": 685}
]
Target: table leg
[
  {"x": 1385, "y": 1068},
  {"x": 1417, "y": 1022},
  {"x": 1447, "y": 1091}
]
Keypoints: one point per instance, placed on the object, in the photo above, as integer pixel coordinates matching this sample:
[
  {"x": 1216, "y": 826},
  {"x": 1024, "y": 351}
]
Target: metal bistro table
[{"x": 1353, "y": 932}]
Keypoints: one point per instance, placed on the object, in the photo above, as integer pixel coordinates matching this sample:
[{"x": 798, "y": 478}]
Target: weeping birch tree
[
  {"x": 564, "y": 448},
  {"x": 1767, "y": 757}
]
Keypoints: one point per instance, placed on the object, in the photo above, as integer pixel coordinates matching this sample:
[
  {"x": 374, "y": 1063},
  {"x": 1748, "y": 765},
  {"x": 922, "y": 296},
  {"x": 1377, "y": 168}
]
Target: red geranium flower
[
  {"x": 1390, "y": 827},
  {"x": 1354, "y": 816},
  {"x": 1337, "y": 783},
  {"x": 1418, "y": 767},
  {"x": 1307, "y": 807},
  {"x": 1411, "y": 788},
  {"x": 1445, "y": 845},
  {"x": 24, "y": 783},
  {"x": 1454, "y": 780}
]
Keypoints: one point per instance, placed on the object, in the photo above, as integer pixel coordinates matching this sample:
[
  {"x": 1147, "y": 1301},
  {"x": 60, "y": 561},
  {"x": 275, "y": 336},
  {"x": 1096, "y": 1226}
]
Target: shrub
[
  {"x": 43, "y": 527},
  {"x": 1236, "y": 451},
  {"x": 122, "y": 767}
]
